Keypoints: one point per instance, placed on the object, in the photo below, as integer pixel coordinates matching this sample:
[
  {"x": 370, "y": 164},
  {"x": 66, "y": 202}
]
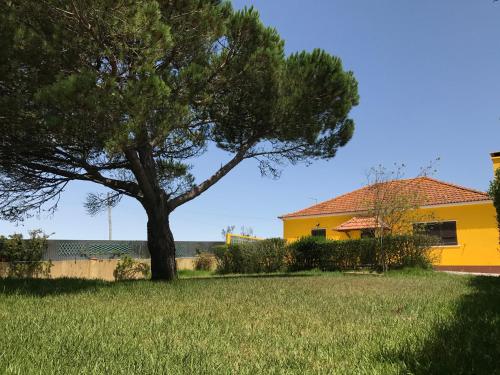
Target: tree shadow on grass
[
  {"x": 49, "y": 287},
  {"x": 470, "y": 343}
]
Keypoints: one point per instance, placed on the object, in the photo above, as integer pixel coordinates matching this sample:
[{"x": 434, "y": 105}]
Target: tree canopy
[{"x": 127, "y": 93}]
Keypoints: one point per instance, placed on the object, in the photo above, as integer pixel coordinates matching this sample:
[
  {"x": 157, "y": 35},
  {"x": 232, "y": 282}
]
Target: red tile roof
[
  {"x": 430, "y": 192},
  {"x": 357, "y": 223}
]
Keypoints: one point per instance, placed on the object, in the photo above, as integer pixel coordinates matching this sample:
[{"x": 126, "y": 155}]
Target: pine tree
[{"x": 127, "y": 93}]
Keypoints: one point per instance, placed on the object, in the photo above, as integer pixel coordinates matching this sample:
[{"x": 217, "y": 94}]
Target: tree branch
[
  {"x": 205, "y": 185},
  {"x": 140, "y": 173},
  {"x": 128, "y": 188}
]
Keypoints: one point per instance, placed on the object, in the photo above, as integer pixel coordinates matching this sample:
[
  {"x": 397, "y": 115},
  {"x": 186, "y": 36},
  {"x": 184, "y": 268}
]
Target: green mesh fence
[{"x": 76, "y": 249}]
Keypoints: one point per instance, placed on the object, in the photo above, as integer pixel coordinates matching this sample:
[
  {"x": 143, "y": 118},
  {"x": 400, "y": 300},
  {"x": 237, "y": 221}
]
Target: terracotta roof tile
[
  {"x": 430, "y": 192},
  {"x": 357, "y": 223}
]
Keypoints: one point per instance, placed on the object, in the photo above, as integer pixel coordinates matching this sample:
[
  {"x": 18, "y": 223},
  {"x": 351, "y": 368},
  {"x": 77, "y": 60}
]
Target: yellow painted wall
[
  {"x": 477, "y": 233},
  {"x": 496, "y": 162},
  {"x": 297, "y": 228}
]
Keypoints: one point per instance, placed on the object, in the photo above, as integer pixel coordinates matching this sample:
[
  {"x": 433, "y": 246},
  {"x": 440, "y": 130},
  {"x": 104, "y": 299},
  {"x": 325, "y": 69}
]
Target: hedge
[
  {"x": 315, "y": 253},
  {"x": 261, "y": 256},
  {"x": 310, "y": 252},
  {"x": 25, "y": 255}
]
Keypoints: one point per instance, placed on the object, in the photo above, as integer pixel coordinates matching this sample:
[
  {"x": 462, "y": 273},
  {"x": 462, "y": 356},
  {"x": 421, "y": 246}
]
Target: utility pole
[{"x": 110, "y": 223}]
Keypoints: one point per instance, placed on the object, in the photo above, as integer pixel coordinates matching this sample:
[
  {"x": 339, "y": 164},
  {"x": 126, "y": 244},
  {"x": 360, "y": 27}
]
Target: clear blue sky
[{"x": 429, "y": 82}]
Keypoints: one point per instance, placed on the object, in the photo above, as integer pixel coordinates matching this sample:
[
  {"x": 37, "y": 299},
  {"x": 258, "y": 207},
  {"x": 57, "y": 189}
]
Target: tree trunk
[{"x": 161, "y": 246}]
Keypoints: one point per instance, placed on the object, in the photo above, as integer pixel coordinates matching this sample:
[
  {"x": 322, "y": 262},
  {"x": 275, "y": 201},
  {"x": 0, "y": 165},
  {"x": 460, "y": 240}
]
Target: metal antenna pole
[
  {"x": 110, "y": 223},
  {"x": 314, "y": 199}
]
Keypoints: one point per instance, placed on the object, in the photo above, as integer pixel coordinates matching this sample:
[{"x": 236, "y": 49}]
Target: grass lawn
[{"x": 416, "y": 322}]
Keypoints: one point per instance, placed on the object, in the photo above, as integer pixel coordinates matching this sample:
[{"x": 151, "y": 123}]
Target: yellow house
[{"x": 464, "y": 219}]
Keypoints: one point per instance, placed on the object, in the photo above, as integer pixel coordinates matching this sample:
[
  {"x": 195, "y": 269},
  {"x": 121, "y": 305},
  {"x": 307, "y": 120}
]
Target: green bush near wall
[
  {"x": 262, "y": 256},
  {"x": 25, "y": 255},
  {"x": 316, "y": 253},
  {"x": 310, "y": 252},
  {"x": 204, "y": 261},
  {"x": 408, "y": 250},
  {"x": 130, "y": 269},
  {"x": 400, "y": 251}
]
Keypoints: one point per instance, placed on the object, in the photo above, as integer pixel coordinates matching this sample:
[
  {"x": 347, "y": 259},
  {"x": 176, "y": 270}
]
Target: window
[
  {"x": 367, "y": 233},
  {"x": 318, "y": 233},
  {"x": 446, "y": 231}
]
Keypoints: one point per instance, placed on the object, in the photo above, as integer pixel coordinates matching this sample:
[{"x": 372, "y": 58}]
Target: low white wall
[{"x": 93, "y": 268}]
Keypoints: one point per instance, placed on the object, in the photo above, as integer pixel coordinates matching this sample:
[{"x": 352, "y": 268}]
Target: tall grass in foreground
[{"x": 327, "y": 323}]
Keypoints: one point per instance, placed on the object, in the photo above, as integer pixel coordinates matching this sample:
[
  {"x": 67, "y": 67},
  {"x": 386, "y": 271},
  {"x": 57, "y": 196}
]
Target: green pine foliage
[
  {"x": 85, "y": 83},
  {"x": 127, "y": 94}
]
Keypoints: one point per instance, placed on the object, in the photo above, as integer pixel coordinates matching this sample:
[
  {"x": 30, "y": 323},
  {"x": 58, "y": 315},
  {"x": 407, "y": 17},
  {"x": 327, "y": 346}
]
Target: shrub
[
  {"x": 348, "y": 254},
  {"x": 306, "y": 253},
  {"x": 226, "y": 258},
  {"x": 25, "y": 255},
  {"x": 312, "y": 252},
  {"x": 255, "y": 257},
  {"x": 273, "y": 252},
  {"x": 30, "y": 269},
  {"x": 401, "y": 251},
  {"x": 16, "y": 248},
  {"x": 408, "y": 250},
  {"x": 263, "y": 256},
  {"x": 204, "y": 261},
  {"x": 130, "y": 269}
]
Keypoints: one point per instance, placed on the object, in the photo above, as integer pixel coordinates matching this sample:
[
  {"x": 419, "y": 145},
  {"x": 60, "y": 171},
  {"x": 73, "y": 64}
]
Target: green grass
[
  {"x": 403, "y": 322},
  {"x": 189, "y": 274}
]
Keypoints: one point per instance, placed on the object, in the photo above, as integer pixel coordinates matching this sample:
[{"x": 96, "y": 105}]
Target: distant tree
[
  {"x": 246, "y": 231},
  {"x": 494, "y": 192},
  {"x": 393, "y": 202},
  {"x": 127, "y": 93},
  {"x": 228, "y": 230}
]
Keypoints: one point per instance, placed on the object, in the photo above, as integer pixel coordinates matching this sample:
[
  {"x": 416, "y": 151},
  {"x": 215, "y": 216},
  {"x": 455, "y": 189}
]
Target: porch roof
[{"x": 359, "y": 223}]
